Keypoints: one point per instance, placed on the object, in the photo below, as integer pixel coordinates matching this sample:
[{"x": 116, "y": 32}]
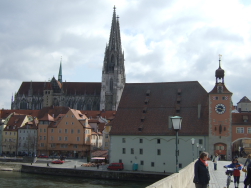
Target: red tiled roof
[
  {"x": 15, "y": 122},
  {"x": 163, "y": 102},
  {"x": 5, "y": 113},
  {"x": 94, "y": 114},
  {"x": 237, "y": 118},
  {"x": 225, "y": 90}
]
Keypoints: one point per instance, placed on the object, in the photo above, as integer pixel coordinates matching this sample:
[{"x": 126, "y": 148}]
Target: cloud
[{"x": 163, "y": 41}]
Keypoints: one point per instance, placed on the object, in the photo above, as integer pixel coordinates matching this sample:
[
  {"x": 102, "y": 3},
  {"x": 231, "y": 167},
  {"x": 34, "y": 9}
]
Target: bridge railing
[{"x": 182, "y": 179}]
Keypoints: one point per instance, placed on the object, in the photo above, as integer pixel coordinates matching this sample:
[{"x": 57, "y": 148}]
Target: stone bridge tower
[{"x": 220, "y": 117}]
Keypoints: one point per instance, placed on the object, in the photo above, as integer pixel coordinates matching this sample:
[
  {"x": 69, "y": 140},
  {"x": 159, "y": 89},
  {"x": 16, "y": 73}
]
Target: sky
[{"x": 163, "y": 41}]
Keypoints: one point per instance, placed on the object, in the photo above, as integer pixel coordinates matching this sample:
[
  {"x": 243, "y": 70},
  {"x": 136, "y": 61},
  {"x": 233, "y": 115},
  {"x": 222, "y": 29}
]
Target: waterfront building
[
  {"x": 9, "y": 134},
  {"x": 104, "y": 95},
  {"x": 67, "y": 134},
  {"x": 27, "y": 139},
  {"x": 244, "y": 105}
]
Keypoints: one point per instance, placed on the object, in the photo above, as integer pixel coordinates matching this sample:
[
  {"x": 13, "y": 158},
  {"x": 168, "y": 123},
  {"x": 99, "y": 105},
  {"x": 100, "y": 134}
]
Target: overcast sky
[{"x": 163, "y": 41}]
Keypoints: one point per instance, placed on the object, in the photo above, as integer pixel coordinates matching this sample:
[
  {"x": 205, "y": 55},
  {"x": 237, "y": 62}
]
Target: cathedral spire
[{"x": 60, "y": 72}]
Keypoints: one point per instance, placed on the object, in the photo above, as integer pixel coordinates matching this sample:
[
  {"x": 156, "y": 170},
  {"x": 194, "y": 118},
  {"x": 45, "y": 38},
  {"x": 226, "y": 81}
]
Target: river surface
[{"x": 9, "y": 179}]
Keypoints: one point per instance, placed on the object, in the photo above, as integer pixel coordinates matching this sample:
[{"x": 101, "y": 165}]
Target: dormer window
[
  {"x": 220, "y": 89},
  {"x": 148, "y": 92},
  {"x": 245, "y": 118}
]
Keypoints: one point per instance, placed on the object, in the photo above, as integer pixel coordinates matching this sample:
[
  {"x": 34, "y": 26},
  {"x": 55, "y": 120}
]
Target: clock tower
[{"x": 220, "y": 117}]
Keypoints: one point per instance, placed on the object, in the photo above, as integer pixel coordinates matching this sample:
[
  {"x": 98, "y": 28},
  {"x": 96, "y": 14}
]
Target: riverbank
[{"x": 73, "y": 168}]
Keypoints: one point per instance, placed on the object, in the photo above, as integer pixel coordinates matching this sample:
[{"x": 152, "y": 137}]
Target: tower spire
[{"x": 60, "y": 72}]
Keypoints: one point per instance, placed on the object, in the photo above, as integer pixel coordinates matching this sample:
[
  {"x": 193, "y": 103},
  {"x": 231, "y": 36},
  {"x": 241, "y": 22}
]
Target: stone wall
[
  {"x": 14, "y": 166},
  {"x": 182, "y": 179},
  {"x": 120, "y": 175}
]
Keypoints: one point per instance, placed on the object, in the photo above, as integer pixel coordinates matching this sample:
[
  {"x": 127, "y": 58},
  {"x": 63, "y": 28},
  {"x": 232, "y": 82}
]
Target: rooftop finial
[
  {"x": 220, "y": 60},
  {"x": 114, "y": 8}
]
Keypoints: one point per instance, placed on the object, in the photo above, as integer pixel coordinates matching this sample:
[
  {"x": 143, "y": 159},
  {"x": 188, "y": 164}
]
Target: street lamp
[
  {"x": 176, "y": 121},
  {"x": 197, "y": 149},
  {"x": 192, "y": 140}
]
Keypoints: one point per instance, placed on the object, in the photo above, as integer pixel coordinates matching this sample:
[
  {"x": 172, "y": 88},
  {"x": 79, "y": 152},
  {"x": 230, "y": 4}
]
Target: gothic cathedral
[{"x": 80, "y": 95}]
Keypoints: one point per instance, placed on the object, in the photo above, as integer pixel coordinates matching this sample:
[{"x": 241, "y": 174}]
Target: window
[
  {"x": 106, "y": 144},
  {"x": 132, "y": 151},
  {"x": 123, "y": 140},
  {"x": 60, "y": 130},
  {"x": 66, "y": 138},
  {"x": 158, "y": 141},
  {"x": 158, "y": 152},
  {"x": 42, "y": 144},
  {"x": 66, "y": 131},
  {"x": 44, "y": 137},
  {"x": 200, "y": 141},
  {"x": 152, "y": 164},
  {"x": 52, "y": 138},
  {"x": 52, "y": 130},
  {"x": 72, "y": 123},
  {"x": 72, "y": 131},
  {"x": 249, "y": 129},
  {"x": 75, "y": 146},
  {"x": 66, "y": 123},
  {"x": 141, "y": 151},
  {"x": 41, "y": 130},
  {"x": 140, "y": 140},
  {"x": 40, "y": 137},
  {"x": 53, "y": 145},
  {"x": 78, "y": 139},
  {"x": 78, "y": 131},
  {"x": 106, "y": 136},
  {"x": 240, "y": 130},
  {"x": 123, "y": 150},
  {"x": 45, "y": 130},
  {"x": 141, "y": 162},
  {"x": 120, "y": 160},
  {"x": 59, "y": 138}
]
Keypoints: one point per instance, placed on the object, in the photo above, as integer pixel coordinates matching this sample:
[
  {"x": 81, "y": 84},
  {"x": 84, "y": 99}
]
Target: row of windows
[
  {"x": 59, "y": 138},
  {"x": 65, "y": 131},
  {"x": 152, "y": 163},
  {"x": 158, "y": 140},
  {"x": 6, "y": 133},
  {"x": 140, "y": 151},
  {"x": 241, "y": 130},
  {"x": 61, "y": 145},
  {"x": 27, "y": 131}
]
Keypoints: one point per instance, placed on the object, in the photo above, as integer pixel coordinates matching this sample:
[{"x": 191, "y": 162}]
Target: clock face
[{"x": 220, "y": 108}]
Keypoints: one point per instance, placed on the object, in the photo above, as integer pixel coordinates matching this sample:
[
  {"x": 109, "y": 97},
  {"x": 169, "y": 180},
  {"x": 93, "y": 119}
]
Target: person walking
[
  {"x": 247, "y": 181},
  {"x": 237, "y": 167},
  {"x": 248, "y": 160},
  {"x": 201, "y": 173},
  {"x": 215, "y": 160}
]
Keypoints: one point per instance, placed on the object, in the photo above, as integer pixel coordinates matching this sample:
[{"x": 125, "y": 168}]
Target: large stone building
[{"x": 104, "y": 95}]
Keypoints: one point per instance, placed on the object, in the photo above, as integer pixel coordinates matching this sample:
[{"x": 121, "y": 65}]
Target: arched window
[{"x": 111, "y": 85}]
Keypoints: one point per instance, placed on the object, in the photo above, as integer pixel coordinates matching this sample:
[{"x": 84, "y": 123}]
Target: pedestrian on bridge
[
  {"x": 215, "y": 160},
  {"x": 201, "y": 173}
]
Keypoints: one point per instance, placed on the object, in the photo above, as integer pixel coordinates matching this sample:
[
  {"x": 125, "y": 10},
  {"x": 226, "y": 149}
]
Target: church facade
[{"x": 104, "y": 95}]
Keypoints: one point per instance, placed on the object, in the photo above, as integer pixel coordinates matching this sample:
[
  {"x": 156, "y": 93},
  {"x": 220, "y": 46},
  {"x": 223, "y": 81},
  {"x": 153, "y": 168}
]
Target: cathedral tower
[
  {"x": 220, "y": 107},
  {"x": 113, "y": 73}
]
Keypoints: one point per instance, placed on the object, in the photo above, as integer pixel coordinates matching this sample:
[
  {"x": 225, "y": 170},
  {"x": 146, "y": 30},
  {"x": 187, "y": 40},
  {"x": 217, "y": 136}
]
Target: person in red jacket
[{"x": 237, "y": 167}]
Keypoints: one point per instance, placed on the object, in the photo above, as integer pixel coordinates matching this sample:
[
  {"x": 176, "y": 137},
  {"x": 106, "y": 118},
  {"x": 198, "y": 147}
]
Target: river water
[{"x": 9, "y": 179}]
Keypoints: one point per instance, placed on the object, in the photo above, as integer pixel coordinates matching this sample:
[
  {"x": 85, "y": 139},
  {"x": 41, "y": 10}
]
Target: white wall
[{"x": 166, "y": 161}]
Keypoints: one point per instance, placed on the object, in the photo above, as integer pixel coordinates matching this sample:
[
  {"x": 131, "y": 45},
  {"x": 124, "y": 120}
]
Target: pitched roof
[
  {"x": 53, "y": 111},
  {"x": 225, "y": 90},
  {"x": 15, "y": 122},
  {"x": 244, "y": 100},
  {"x": 78, "y": 88},
  {"x": 147, "y": 106},
  {"x": 238, "y": 118},
  {"x": 5, "y": 113},
  {"x": 104, "y": 114}
]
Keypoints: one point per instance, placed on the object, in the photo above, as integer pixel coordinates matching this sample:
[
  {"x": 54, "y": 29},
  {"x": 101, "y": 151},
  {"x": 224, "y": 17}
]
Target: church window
[{"x": 111, "y": 85}]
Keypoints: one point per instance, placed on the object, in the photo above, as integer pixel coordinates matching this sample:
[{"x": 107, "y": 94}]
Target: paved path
[{"x": 219, "y": 178}]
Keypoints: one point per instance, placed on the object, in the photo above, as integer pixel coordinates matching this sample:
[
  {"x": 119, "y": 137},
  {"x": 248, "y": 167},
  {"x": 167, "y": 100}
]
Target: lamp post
[
  {"x": 192, "y": 140},
  {"x": 197, "y": 149},
  {"x": 176, "y": 121}
]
